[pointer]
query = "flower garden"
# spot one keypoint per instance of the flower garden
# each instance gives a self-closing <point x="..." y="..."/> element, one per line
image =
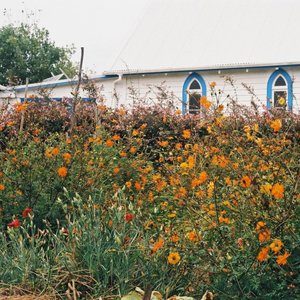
<point x="152" y="199"/>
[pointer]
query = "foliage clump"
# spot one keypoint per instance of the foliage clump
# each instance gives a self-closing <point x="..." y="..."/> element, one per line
<point x="149" y="196"/>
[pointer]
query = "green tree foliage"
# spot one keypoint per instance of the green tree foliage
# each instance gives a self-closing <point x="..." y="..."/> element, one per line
<point x="27" y="51"/>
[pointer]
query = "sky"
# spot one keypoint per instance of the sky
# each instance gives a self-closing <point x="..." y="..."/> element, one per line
<point x="102" y="27"/>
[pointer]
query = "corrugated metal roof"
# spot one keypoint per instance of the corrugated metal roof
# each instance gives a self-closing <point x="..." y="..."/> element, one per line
<point x="197" y="34"/>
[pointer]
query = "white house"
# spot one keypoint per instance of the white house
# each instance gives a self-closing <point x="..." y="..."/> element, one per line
<point x="250" y="49"/>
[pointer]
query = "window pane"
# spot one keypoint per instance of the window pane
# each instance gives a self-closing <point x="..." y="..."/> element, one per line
<point x="280" y="81"/>
<point x="280" y="99"/>
<point x="194" y="103"/>
<point x="195" y="85"/>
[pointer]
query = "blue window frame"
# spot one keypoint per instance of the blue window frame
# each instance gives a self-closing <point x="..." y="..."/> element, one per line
<point x="280" y="90"/>
<point x="193" y="88"/>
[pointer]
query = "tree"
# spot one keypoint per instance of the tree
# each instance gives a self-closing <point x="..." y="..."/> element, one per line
<point x="27" y="51"/>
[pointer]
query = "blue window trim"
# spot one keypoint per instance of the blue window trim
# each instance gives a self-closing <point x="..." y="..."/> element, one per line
<point x="186" y="85"/>
<point x="289" y="82"/>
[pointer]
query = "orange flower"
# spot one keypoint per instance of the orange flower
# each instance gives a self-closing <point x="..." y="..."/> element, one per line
<point x="264" y="235"/>
<point x="123" y="154"/>
<point x="55" y="151"/>
<point x="186" y="134"/>
<point x="116" y="137"/>
<point x="192" y="236"/>
<point x="263" y="254"/>
<point x="132" y="150"/>
<point x="67" y="157"/>
<point x="163" y="143"/>
<point x="245" y="181"/>
<point x="2" y="187"/>
<point x="212" y="84"/>
<point x="158" y="245"/>
<point x="282" y="259"/>
<point x="178" y="146"/>
<point x="174" y="258"/>
<point x="277" y="191"/>
<point x="138" y="186"/>
<point x="128" y="184"/>
<point x="116" y="170"/>
<point x="276" y="125"/>
<point x="202" y="177"/>
<point x="21" y="107"/>
<point x="260" y="225"/>
<point x="174" y="238"/>
<point x="135" y="132"/>
<point x="204" y="102"/>
<point x="109" y="143"/>
<point x="224" y="220"/>
<point x="62" y="172"/>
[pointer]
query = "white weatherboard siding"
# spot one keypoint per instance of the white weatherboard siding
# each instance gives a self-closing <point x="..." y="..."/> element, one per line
<point x="256" y="79"/>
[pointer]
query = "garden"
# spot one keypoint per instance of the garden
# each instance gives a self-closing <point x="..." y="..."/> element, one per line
<point x="149" y="199"/>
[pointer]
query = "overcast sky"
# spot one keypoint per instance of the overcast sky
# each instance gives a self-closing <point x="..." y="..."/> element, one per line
<point x="102" y="27"/>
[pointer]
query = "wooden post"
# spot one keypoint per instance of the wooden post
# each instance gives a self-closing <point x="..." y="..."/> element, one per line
<point x="23" y="111"/>
<point x="76" y="94"/>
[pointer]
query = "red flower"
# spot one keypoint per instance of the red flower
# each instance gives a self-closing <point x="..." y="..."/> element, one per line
<point x="14" y="224"/>
<point x="128" y="217"/>
<point x="26" y="212"/>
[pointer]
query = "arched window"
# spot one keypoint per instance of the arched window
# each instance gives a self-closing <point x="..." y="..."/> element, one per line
<point x="194" y="87"/>
<point x="279" y="90"/>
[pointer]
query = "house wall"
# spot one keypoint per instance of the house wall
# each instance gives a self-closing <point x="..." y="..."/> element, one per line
<point x="132" y="87"/>
<point x="255" y="79"/>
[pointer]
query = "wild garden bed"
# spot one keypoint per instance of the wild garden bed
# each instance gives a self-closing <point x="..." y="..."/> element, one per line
<point x="150" y="198"/>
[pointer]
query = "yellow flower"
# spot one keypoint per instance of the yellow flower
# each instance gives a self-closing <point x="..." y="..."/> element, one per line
<point x="281" y="101"/>
<point x="276" y="125"/>
<point x="266" y="188"/>
<point x="210" y="189"/>
<point x="276" y="246"/>
<point x="48" y="153"/>
<point x="174" y="258"/>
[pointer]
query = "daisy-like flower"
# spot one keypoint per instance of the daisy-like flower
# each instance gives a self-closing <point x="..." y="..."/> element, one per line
<point x="174" y="258"/>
